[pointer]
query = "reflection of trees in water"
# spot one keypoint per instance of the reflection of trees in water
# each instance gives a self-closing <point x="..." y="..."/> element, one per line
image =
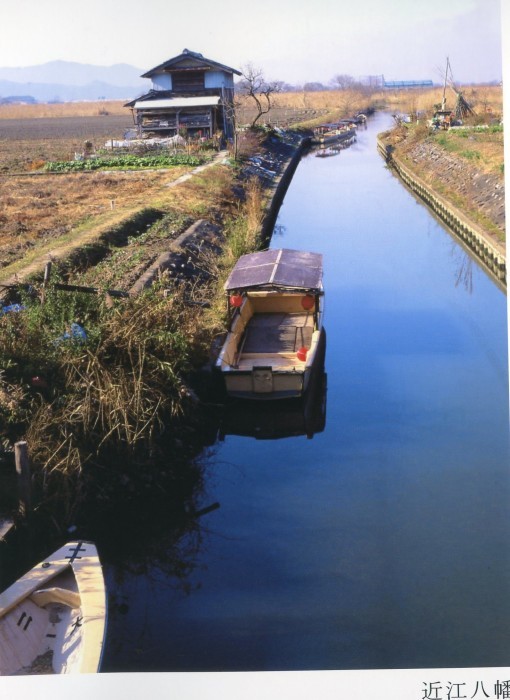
<point x="157" y="539"/>
<point x="140" y="526"/>
<point x="154" y="566"/>
<point x="162" y="557"/>
<point x="464" y="268"/>
<point x="143" y="511"/>
<point x="147" y="527"/>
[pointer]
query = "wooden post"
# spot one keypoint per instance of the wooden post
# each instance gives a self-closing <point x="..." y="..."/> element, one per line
<point x="47" y="274"/>
<point x="24" y="477"/>
<point x="46" y="280"/>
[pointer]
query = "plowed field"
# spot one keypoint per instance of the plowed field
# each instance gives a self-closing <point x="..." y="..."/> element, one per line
<point x="25" y="143"/>
<point x="39" y="209"/>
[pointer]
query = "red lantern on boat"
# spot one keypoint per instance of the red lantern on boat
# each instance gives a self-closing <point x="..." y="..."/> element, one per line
<point x="236" y="300"/>
<point x="308" y="302"/>
<point x="302" y="353"/>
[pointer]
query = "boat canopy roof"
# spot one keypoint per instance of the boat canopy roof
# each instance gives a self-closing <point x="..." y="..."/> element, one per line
<point x="269" y="269"/>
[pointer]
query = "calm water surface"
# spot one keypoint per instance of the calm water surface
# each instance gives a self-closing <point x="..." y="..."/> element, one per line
<point x="383" y="542"/>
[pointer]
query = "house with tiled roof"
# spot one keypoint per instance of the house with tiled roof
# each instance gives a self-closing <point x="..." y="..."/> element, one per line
<point x="189" y="93"/>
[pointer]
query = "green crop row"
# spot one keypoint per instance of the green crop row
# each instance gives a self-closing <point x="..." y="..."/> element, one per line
<point x="123" y="162"/>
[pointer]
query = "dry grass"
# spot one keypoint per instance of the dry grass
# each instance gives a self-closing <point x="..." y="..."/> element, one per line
<point x="479" y="96"/>
<point x="116" y="393"/>
<point x="487" y="101"/>
<point x="64" y="109"/>
<point x="483" y="99"/>
<point x="122" y="392"/>
<point x="349" y="101"/>
<point x="41" y="210"/>
<point x="483" y="149"/>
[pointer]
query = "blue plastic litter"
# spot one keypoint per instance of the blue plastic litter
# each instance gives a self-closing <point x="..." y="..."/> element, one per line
<point x="75" y="332"/>
<point x="12" y="308"/>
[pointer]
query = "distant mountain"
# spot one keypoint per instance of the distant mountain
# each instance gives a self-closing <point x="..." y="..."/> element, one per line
<point x="66" y="81"/>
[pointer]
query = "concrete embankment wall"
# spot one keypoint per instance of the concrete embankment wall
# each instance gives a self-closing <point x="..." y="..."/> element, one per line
<point x="276" y="192"/>
<point x="471" y="235"/>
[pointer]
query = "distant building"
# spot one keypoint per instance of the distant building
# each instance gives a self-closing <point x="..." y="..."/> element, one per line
<point x="18" y="100"/>
<point x="189" y="92"/>
<point x="407" y="84"/>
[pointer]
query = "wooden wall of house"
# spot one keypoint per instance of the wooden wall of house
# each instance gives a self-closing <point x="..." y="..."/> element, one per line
<point x="189" y="81"/>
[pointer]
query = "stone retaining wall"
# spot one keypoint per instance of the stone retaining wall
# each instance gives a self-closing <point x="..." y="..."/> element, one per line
<point x="490" y="252"/>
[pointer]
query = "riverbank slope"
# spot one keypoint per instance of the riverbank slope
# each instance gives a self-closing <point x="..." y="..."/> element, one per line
<point x="460" y="175"/>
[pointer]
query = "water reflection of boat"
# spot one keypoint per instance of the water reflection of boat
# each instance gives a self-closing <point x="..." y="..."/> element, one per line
<point x="271" y="420"/>
<point x="327" y="152"/>
<point x="276" y="300"/>
<point x="53" y="619"/>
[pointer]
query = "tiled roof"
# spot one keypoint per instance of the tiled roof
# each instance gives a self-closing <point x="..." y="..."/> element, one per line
<point x="189" y="60"/>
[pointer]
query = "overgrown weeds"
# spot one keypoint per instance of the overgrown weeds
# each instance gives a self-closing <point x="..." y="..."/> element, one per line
<point x="112" y="389"/>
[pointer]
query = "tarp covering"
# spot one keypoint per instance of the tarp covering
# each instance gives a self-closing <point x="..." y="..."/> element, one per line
<point x="177" y="102"/>
<point x="281" y="267"/>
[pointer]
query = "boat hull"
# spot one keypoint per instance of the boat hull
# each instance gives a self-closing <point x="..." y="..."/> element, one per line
<point x="53" y="619"/>
<point x="263" y="383"/>
<point x="268" y="383"/>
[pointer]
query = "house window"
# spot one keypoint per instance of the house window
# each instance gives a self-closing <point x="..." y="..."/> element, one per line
<point x="188" y="81"/>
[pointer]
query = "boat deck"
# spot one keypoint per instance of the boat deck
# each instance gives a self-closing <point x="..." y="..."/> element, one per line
<point x="278" y="332"/>
<point x="274" y="339"/>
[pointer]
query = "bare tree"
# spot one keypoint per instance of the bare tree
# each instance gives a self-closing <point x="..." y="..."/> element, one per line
<point x="261" y="92"/>
<point x="230" y="108"/>
<point x="314" y="87"/>
<point x="342" y="82"/>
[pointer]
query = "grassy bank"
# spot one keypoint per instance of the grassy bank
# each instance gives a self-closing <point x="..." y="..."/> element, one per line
<point x="463" y="165"/>
<point x="119" y="409"/>
<point x="476" y="145"/>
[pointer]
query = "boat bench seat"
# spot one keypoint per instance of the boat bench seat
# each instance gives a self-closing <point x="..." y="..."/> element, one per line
<point x="62" y="596"/>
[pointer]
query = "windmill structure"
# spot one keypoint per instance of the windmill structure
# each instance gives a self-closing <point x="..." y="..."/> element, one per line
<point x="462" y="107"/>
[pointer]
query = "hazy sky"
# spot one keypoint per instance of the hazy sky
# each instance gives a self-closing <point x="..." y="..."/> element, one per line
<point x="291" y="40"/>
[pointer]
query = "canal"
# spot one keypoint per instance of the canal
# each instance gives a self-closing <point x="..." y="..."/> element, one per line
<point x="382" y="541"/>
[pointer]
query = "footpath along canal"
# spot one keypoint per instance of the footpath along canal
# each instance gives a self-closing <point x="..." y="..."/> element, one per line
<point x="383" y="541"/>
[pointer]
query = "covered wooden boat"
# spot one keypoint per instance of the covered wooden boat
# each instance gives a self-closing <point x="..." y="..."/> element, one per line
<point x="333" y="133"/>
<point x="53" y="619"/>
<point x="276" y="306"/>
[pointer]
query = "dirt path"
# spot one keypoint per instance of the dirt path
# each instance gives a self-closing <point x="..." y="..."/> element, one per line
<point x="89" y="235"/>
